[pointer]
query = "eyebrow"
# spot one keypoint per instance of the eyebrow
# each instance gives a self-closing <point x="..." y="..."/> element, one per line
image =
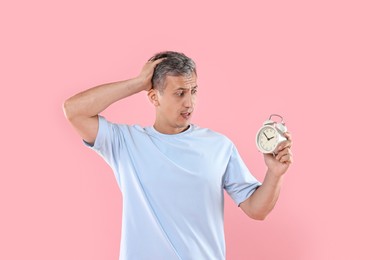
<point x="182" y="88"/>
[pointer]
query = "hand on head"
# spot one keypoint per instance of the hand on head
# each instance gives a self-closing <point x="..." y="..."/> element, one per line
<point x="146" y="73"/>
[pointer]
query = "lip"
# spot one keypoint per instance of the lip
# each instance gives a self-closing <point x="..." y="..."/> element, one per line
<point x="186" y="114"/>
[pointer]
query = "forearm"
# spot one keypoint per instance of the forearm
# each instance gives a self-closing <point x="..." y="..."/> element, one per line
<point x="91" y="102"/>
<point x="263" y="200"/>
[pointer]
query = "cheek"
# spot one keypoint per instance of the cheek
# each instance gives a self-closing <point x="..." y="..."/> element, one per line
<point x="171" y="105"/>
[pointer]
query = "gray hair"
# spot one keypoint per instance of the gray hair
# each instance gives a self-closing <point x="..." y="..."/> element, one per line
<point x="175" y="64"/>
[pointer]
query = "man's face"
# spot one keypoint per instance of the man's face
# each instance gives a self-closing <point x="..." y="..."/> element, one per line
<point x="174" y="107"/>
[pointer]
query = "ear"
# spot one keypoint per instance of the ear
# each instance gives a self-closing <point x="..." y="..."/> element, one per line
<point x="153" y="97"/>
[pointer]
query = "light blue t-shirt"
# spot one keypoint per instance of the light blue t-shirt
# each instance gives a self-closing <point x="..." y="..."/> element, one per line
<point x="172" y="188"/>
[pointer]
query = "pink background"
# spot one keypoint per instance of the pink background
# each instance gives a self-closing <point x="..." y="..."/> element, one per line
<point x="324" y="65"/>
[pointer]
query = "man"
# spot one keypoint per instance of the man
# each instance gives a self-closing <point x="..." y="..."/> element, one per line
<point x="172" y="174"/>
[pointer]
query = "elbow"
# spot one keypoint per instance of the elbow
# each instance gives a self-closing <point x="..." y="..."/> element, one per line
<point x="67" y="107"/>
<point x="259" y="213"/>
<point x="259" y="216"/>
<point x="255" y="211"/>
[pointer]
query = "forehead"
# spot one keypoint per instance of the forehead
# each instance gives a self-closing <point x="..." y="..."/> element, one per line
<point x="176" y="82"/>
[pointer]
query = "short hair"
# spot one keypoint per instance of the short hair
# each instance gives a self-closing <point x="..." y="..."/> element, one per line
<point x="174" y="64"/>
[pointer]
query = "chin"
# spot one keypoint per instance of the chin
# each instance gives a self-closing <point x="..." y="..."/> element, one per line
<point x="183" y="125"/>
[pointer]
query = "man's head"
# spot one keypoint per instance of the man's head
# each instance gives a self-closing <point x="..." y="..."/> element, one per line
<point x="174" y="64"/>
<point x="174" y="92"/>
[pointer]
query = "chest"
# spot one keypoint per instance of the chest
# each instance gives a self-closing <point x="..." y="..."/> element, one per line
<point x="196" y="165"/>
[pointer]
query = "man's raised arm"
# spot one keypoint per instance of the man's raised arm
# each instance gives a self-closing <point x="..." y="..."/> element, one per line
<point x="82" y="109"/>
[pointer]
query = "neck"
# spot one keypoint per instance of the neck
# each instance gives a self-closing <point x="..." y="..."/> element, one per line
<point x="170" y="130"/>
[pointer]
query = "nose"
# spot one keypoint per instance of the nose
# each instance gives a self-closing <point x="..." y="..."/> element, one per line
<point x="189" y="101"/>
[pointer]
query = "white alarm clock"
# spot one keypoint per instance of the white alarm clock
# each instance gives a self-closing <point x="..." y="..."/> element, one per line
<point x="270" y="135"/>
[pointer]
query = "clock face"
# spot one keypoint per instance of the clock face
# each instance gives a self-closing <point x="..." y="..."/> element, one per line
<point x="267" y="139"/>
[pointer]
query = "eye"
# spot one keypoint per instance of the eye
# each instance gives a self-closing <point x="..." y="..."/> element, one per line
<point x="194" y="91"/>
<point x="180" y="93"/>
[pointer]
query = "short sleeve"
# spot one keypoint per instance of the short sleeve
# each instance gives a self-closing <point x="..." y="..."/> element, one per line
<point x="101" y="135"/>
<point x="239" y="183"/>
<point x="108" y="143"/>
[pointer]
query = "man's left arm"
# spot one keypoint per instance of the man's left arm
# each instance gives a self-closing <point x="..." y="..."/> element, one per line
<point x="263" y="200"/>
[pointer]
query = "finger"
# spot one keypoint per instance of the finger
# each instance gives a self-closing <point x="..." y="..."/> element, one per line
<point x="283" y="153"/>
<point x="285" y="158"/>
<point x="287" y="135"/>
<point x="283" y="145"/>
<point x="159" y="60"/>
<point x="155" y="62"/>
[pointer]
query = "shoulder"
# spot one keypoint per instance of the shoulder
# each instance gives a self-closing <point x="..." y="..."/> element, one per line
<point x="121" y="127"/>
<point x="209" y="133"/>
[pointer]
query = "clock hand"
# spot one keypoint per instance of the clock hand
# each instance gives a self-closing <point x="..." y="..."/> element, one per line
<point x="266" y="136"/>
<point x="271" y="138"/>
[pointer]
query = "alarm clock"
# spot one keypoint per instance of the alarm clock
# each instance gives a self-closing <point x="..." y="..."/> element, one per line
<point x="270" y="135"/>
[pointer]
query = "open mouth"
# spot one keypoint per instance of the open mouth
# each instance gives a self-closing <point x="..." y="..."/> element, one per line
<point x="186" y="115"/>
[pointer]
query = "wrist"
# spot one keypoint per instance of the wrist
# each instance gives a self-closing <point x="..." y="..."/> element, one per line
<point x="274" y="174"/>
<point x="135" y="85"/>
<point x="144" y="83"/>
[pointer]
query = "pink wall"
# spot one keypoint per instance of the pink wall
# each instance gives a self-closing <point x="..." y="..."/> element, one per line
<point x="323" y="65"/>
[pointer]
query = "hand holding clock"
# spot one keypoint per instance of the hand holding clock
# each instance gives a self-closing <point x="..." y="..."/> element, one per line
<point x="277" y="157"/>
<point x="279" y="163"/>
